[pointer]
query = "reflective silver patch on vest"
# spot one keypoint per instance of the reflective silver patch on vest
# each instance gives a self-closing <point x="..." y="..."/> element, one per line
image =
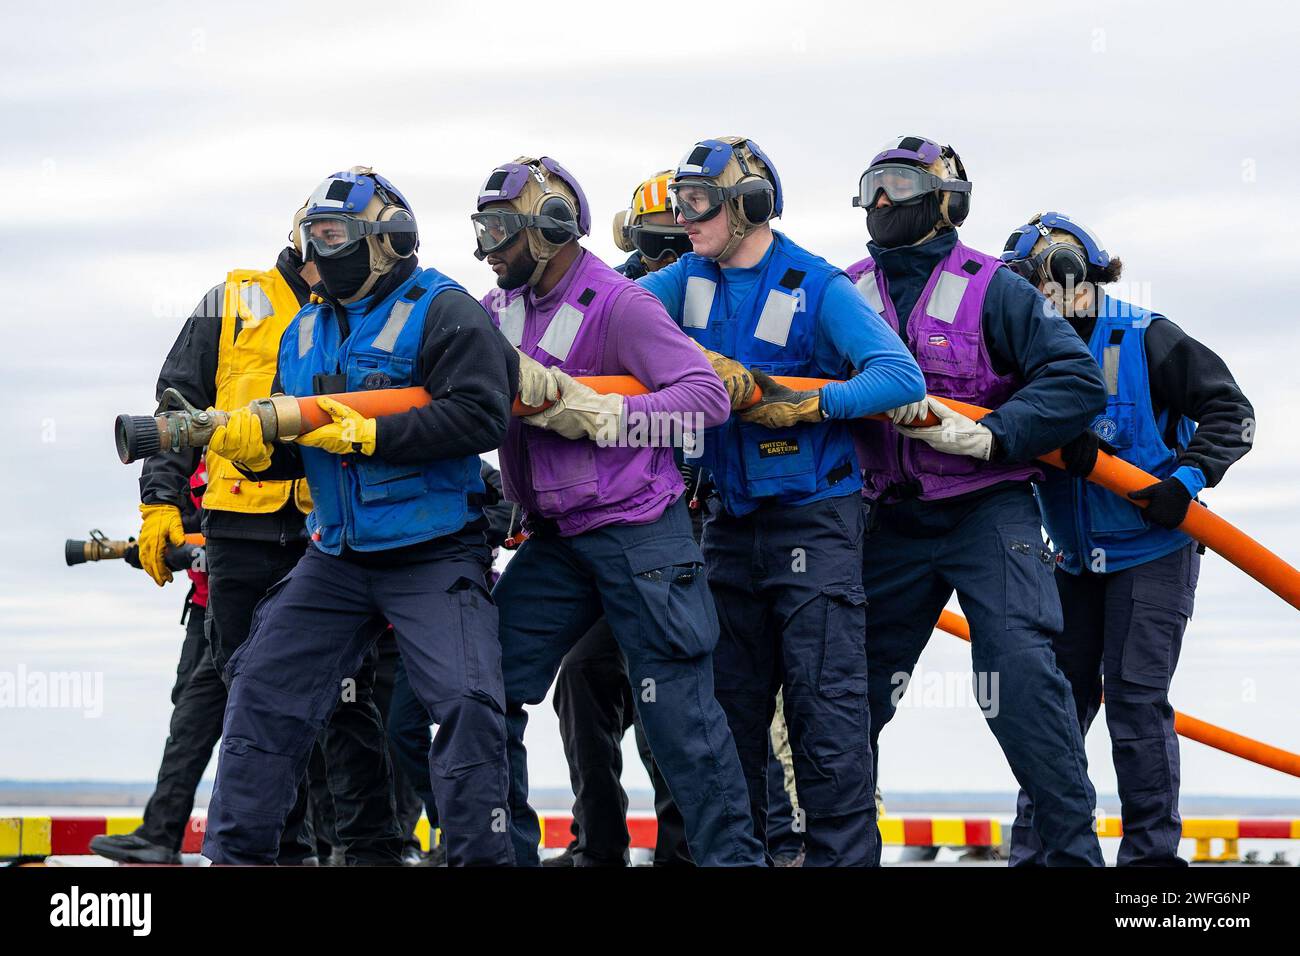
<point x="774" y="322"/>
<point x="866" y="284"/>
<point x="387" y="336"/>
<point x="1110" y="368"/>
<point x="698" y="302"/>
<point x="306" y="332"/>
<point x="947" y="296"/>
<point x="256" y="304"/>
<point x="561" y="332"/>
<point x="511" y="319"/>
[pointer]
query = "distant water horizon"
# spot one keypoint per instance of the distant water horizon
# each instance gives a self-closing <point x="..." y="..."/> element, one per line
<point x="72" y="794"/>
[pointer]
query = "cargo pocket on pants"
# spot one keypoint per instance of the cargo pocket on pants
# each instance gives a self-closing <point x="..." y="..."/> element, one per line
<point x="479" y="641"/>
<point x="1157" y="618"/>
<point x="1030" y="598"/>
<point x="678" y="619"/>
<point x="844" y="647"/>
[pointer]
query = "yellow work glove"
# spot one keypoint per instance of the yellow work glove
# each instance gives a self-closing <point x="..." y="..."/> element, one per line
<point x="160" y="530"/>
<point x="349" y="433"/>
<point x="781" y="407"/>
<point x="240" y="441"/>
<point x="735" y="377"/>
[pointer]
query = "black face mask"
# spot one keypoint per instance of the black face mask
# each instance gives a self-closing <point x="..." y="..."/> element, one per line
<point x="901" y="225"/>
<point x="342" y="276"/>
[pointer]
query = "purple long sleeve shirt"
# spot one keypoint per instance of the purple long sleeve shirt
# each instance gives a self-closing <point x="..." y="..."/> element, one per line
<point x="620" y="329"/>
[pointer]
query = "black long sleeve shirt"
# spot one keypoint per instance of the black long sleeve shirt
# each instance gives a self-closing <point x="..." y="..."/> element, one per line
<point x="191" y="369"/>
<point x="469" y="369"/>
<point x="1189" y="379"/>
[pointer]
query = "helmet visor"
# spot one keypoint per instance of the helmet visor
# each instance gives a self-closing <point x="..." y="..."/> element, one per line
<point x="337" y="235"/>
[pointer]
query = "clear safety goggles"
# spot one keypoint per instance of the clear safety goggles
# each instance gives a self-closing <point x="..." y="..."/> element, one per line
<point x="902" y="184"/>
<point x="698" y="200"/>
<point x="332" y="235"/>
<point x="494" y="230"/>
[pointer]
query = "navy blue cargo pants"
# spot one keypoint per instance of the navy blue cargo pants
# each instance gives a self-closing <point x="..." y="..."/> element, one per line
<point x="994" y="557"/>
<point x="311" y="632"/>
<point x="1127" y="626"/>
<point x="788" y="587"/>
<point x="648" y="581"/>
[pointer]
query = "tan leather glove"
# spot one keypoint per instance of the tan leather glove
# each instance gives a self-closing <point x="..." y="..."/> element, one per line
<point x="580" y="411"/>
<point x="735" y="377"/>
<point x="906" y="414"/>
<point x="954" y="435"/>
<point x="781" y="407"/>
<point x="537" y="385"/>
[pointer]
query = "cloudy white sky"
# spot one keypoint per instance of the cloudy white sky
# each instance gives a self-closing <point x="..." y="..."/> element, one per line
<point x="149" y="149"/>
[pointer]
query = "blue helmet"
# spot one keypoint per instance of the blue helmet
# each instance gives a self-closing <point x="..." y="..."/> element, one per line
<point x="1022" y="241"/>
<point x="351" y="206"/>
<point x="726" y="163"/>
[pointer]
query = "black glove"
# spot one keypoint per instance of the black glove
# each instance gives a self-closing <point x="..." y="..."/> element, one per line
<point x="1080" y="454"/>
<point x="1167" y="502"/>
<point x="132" y="555"/>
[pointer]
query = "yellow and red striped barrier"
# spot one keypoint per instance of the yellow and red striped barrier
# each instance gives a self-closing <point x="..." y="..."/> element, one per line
<point x="70" y="836"/>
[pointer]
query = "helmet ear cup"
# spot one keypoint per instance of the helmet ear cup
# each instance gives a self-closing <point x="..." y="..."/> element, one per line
<point x="1064" y="265"/>
<point x="401" y="245"/>
<point x="956" y="206"/>
<point x="756" y="208"/>
<point x="557" y="207"/>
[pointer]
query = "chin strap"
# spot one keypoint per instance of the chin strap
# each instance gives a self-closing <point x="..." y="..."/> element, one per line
<point x="739" y="230"/>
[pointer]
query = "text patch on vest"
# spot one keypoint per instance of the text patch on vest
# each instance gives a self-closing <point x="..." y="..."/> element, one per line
<point x="777" y="448"/>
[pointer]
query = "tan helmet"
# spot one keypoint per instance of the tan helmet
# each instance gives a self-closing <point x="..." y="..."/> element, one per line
<point x="388" y="225"/>
<point x="731" y="164"/>
<point x="540" y="189"/>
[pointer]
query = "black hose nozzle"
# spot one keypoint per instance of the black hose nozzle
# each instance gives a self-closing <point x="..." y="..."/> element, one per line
<point x="136" y="437"/>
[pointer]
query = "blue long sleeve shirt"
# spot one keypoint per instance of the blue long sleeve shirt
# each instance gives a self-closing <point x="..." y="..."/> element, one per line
<point x="851" y="340"/>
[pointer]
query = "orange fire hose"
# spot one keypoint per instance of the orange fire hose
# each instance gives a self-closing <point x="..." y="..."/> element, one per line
<point x="1220" y="738"/>
<point x="1110" y="472"/>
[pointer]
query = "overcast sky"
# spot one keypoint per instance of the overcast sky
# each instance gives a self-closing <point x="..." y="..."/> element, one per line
<point x="148" y="150"/>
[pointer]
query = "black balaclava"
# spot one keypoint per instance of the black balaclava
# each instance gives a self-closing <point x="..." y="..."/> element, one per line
<point x="343" y="275"/>
<point x="902" y="224"/>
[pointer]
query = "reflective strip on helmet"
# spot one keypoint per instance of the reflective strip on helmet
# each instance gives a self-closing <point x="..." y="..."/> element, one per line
<point x="560" y="334"/>
<point x="947" y="296"/>
<point x="698" y="302"/>
<point x="774" y="321"/>
<point x="306" y="332"/>
<point x="255" y="302"/>
<point x="387" y="336"/>
<point x="1110" y="369"/>
<point x="511" y="320"/>
<point x="866" y="284"/>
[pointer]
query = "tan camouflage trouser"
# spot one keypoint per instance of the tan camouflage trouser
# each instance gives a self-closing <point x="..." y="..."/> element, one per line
<point x="781" y="746"/>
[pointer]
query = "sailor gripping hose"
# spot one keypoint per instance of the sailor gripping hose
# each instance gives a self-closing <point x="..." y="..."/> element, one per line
<point x="180" y="425"/>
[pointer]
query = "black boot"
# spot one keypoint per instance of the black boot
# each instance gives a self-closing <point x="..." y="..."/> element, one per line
<point x="132" y="848"/>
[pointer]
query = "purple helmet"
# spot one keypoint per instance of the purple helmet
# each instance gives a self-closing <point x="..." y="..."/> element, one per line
<point x="506" y="182"/>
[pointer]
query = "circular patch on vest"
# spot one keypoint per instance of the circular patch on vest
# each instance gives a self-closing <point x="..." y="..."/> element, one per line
<point x="1106" y="429"/>
<point x="376" y="380"/>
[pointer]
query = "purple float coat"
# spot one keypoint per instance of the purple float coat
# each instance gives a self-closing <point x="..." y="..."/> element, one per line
<point x="596" y="322"/>
<point x="945" y="334"/>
